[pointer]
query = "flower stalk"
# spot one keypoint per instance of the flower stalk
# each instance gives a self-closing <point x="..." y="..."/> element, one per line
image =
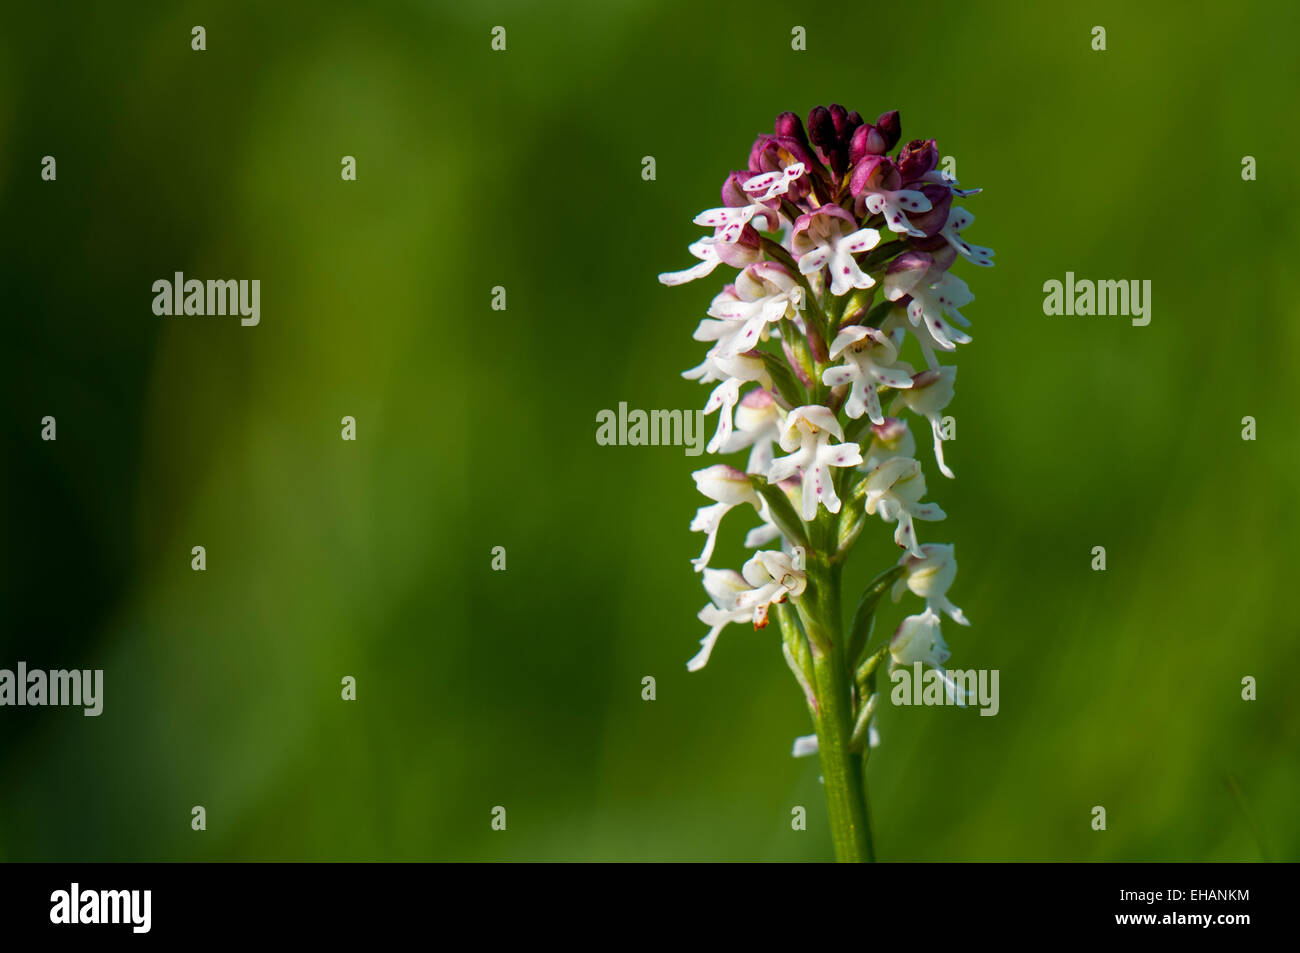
<point x="806" y="358"/>
<point x="841" y="770"/>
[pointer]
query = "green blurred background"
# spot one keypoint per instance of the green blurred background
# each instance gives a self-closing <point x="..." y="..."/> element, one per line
<point x="477" y="429"/>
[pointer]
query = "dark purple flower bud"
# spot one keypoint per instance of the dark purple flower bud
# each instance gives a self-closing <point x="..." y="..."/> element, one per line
<point x="855" y="120"/>
<point x="821" y="128"/>
<point x="930" y="222"/>
<point x="917" y="158"/>
<point x="891" y="127"/>
<point x="840" y="119"/>
<point x="790" y="126"/>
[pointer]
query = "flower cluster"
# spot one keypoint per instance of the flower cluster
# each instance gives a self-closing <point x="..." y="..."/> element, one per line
<point x="843" y="243"/>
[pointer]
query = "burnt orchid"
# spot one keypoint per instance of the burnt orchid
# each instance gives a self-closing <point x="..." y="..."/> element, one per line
<point x="843" y="249"/>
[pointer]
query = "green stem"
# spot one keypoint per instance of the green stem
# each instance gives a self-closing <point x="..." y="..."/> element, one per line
<point x="841" y="769"/>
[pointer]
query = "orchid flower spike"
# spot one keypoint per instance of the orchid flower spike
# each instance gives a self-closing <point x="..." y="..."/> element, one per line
<point x="842" y="237"/>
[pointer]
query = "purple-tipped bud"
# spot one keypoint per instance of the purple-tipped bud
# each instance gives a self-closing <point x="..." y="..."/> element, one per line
<point x="733" y="195"/>
<point x="904" y="272"/>
<point x="791" y="126"/>
<point x="891" y="430"/>
<point x="910" y="261"/>
<point x="855" y="120"/>
<point x="875" y="173"/>
<point x="858" y="144"/>
<point x="917" y="158"/>
<point x="867" y="141"/>
<point x="891" y="127"/>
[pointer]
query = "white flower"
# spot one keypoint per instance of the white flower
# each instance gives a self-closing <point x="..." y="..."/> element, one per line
<point x="710" y="254"/>
<point x="733" y="372"/>
<point x="958" y="220"/>
<point x="724" y="587"/>
<point x="758" y="425"/>
<point x="709" y="260"/>
<point x="870" y="357"/>
<point x="772" y="576"/>
<point x="764" y="293"/>
<point x="929" y="394"/>
<point x="918" y="639"/>
<point x="807" y="433"/>
<point x="894" y="490"/>
<point x="730" y="488"/>
<point x="929" y="576"/>
<point x="830" y="236"/>
<point x="934" y="293"/>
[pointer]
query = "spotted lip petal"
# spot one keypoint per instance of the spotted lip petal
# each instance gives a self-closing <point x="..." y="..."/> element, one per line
<point x="771" y="185"/>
